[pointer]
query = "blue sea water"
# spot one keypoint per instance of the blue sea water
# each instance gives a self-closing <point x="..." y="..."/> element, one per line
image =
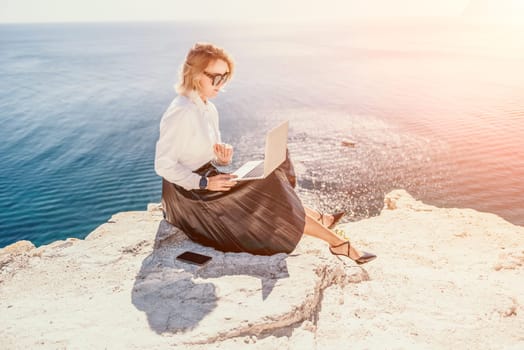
<point x="435" y="108"/>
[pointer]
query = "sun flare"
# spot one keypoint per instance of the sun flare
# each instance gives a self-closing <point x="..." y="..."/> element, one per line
<point x="496" y="10"/>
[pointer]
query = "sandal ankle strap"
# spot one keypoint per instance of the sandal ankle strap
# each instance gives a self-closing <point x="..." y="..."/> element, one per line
<point x="341" y="244"/>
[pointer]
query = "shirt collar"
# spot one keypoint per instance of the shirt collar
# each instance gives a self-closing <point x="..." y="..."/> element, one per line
<point x="194" y="96"/>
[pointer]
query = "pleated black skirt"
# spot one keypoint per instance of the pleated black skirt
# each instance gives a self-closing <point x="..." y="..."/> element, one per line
<point x="262" y="217"/>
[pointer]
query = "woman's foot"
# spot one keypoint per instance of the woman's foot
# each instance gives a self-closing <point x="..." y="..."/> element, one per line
<point x="329" y="220"/>
<point x="346" y="249"/>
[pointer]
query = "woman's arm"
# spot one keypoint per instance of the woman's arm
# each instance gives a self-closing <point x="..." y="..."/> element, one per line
<point x="175" y="133"/>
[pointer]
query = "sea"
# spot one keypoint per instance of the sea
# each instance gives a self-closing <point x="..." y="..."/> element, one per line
<point x="434" y="106"/>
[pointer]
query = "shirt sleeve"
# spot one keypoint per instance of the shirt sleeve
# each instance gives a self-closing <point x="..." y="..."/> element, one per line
<point x="215" y="122"/>
<point x="175" y="133"/>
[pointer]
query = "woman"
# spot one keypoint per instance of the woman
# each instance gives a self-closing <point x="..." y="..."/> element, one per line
<point x="259" y="217"/>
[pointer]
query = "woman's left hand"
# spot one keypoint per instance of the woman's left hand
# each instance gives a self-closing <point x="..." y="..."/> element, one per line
<point x="223" y="153"/>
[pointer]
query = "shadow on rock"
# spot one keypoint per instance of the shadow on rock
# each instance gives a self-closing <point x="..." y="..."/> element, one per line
<point x="269" y="269"/>
<point x="175" y="296"/>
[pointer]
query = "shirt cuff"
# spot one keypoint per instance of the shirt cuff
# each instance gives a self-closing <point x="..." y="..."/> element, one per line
<point x="195" y="182"/>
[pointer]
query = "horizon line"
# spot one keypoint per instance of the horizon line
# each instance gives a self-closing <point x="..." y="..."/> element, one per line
<point x="230" y="20"/>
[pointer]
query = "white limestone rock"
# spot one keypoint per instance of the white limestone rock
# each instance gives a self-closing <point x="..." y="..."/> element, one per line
<point x="443" y="278"/>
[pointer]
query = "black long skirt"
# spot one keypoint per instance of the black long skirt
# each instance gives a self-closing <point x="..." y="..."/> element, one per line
<point x="262" y="217"/>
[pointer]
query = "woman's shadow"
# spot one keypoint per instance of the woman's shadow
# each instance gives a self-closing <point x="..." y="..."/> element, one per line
<point x="174" y="294"/>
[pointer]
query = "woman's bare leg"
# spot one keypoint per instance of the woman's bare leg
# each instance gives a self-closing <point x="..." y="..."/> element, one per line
<point x="316" y="229"/>
<point x="326" y="220"/>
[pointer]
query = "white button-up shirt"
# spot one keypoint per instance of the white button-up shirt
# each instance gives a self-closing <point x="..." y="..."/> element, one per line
<point x="188" y="130"/>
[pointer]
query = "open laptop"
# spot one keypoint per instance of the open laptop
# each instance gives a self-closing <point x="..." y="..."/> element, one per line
<point x="275" y="154"/>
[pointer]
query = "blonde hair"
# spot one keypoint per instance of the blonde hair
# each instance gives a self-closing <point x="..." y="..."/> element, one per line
<point x="197" y="59"/>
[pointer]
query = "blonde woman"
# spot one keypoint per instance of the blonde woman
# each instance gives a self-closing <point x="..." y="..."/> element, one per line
<point x="259" y="217"/>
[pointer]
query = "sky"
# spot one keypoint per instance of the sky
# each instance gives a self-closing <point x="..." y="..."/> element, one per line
<point x="278" y="10"/>
<point x="505" y="10"/>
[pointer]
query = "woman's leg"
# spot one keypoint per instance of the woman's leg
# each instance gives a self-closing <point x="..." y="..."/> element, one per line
<point x="324" y="219"/>
<point x="316" y="229"/>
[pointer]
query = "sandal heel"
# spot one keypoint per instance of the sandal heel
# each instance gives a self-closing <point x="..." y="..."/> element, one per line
<point x="363" y="259"/>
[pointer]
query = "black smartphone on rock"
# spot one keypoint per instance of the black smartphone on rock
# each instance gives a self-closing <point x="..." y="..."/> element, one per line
<point x="194" y="258"/>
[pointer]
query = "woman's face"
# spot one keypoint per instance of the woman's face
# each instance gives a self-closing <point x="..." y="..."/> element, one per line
<point x="214" y="72"/>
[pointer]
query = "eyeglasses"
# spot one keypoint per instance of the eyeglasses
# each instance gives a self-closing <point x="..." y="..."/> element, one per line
<point x="217" y="78"/>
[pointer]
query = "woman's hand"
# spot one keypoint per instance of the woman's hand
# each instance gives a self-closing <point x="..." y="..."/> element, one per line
<point x="222" y="182"/>
<point x="223" y="153"/>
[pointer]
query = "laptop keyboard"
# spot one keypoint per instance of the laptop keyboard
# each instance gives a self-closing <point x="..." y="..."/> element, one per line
<point x="257" y="171"/>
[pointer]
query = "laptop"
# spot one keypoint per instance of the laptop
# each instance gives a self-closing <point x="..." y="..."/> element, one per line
<point x="274" y="155"/>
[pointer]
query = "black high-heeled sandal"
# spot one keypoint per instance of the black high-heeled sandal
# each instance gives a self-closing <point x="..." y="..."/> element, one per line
<point x="336" y="218"/>
<point x="364" y="258"/>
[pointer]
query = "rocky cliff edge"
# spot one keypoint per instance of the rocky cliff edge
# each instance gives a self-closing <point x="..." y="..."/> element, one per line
<point x="444" y="277"/>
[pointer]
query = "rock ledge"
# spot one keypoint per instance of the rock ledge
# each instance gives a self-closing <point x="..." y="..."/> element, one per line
<point x="122" y="288"/>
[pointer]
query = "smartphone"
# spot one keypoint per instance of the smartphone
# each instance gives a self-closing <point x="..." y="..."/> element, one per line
<point x="193" y="258"/>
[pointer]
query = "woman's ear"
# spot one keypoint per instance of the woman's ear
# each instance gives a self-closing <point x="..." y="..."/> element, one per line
<point x="196" y="82"/>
